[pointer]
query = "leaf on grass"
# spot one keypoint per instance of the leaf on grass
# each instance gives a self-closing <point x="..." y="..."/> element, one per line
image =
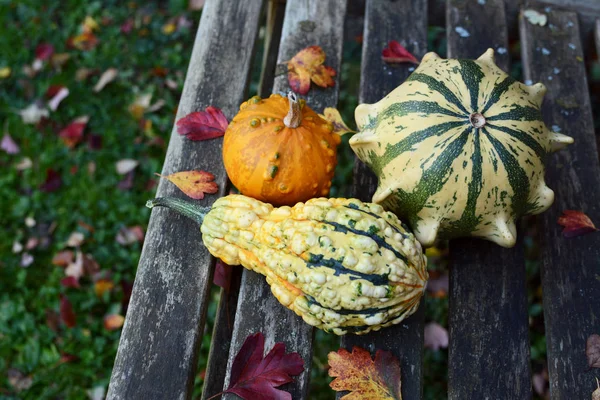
<point x="203" y="125"/>
<point x="438" y="284"/>
<point x="44" y="51"/>
<point x="9" y="145"/>
<point x="395" y="53"/>
<point x="18" y="380"/>
<point x="53" y="181"/>
<point x="127" y="26"/>
<point x="308" y="65"/>
<point x="85" y="41"/>
<point x="72" y="134"/>
<point x="126" y="165"/>
<point x="70" y="282"/>
<point x="592" y="351"/>
<point x="539" y="382"/>
<point x="576" y="223"/>
<point x="56" y="94"/>
<point x="222" y="276"/>
<point x="332" y="115"/>
<point x="90" y="25"/>
<point x="75" y="239"/>
<point x="59" y="59"/>
<point x="255" y="377"/>
<point x="102" y="286"/>
<point x="113" y="322"/>
<point x="33" y="113"/>
<point x="26" y="260"/>
<point x="363" y="377"/>
<point x="75" y="268"/>
<point x="130" y="235"/>
<point x="194" y="184"/>
<point x="127" y="182"/>
<point x="435" y="336"/>
<point x="139" y="105"/>
<point x="107" y="77"/>
<point x="67" y="315"/>
<point x="5" y="72"/>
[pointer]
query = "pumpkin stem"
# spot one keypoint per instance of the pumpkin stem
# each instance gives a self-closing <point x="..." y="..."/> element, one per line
<point x="477" y="120"/>
<point x="187" y="208"/>
<point x="294" y="115"/>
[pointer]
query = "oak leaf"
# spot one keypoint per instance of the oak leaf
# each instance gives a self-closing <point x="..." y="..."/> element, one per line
<point x="395" y="53"/>
<point x="576" y="223"/>
<point x="256" y="378"/>
<point x="195" y="184"/>
<point x="363" y="377"/>
<point x="308" y="65"/>
<point x="592" y="351"/>
<point x="332" y="115"/>
<point x="203" y="125"/>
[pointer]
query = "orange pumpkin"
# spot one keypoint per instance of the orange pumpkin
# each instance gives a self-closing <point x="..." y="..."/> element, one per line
<point x="279" y="151"/>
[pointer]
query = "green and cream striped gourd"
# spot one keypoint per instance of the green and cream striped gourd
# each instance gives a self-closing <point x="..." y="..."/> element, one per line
<point x="459" y="150"/>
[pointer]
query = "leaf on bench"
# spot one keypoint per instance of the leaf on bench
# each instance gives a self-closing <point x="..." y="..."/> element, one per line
<point x="576" y="223"/>
<point x="203" y="125"/>
<point x="308" y="65"/>
<point x="194" y="184"/>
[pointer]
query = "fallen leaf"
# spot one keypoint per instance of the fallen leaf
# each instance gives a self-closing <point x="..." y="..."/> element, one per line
<point x="159" y="71"/>
<point x="113" y="322"/>
<point x="107" y="76"/>
<point x="435" y="336"/>
<point x="254" y="377"/>
<point x="363" y="377"/>
<point x="83" y="74"/>
<point x="195" y="5"/>
<point x="18" y="380"/>
<point x="85" y="41"/>
<point x="139" y="105"/>
<point x="67" y="358"/>
<point x="90" y="266"/>
<point x="127" y="26"/>
<point x="195" y="184"/>
<point x="5" y="72"/>
<point x="53" y="181"/>
<point x="130" y="235"/>
<point x="63" y="258"/>
<point x="97" y="393"/>
<point x="44" y="51"/>
<point x="102" y="286"/>
<point x="33" y="113"/>
<point x="535" y="18"/>
<point x="395" y="53"/>
<point x="67" y="315"/>
<point x="540" y="382"/>
<point x="26" y="260"/>
<point x="126" y="165"/>
<point x="90" y="25"/>
<point x="127" y="182"/>
<point x="169" y="28"/>
<point x="308" y="65"/>
<point x="592" y="351"/>
<point x="156" y="106"/>
<point x="17" y="247"/>
<point x="59" y="59"/>
<point x="332" y="115"/>
<point x="75" y="239"/>
<point x="59" y="96"/>
<point x="72" y="134"/>
<point x="32" y="243"/>
<point x="203" y="125"/>
<point x="171" y="84"/>
<point x="222" y="276"/>
<point x="9" y="145"/>
<point x="24" y="164"/>
<point x="75" y="268"/>
<point x="576" y="223"/>
<point x="438" y="286"/>
<point x="70" y="282"/>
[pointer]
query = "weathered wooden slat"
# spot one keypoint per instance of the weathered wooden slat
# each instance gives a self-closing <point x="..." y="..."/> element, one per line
<point x="489" y="338"/>
<point x="405" y="22"/>
<point x="160" y="340"/>
<point x="570" y="267"/>
<point x="597" y="36"/>
<point x="275" y="14"/>
<point x="306" y="23"/>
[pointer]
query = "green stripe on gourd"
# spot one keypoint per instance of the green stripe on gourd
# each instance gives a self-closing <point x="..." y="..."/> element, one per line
<point x="459" y="150"/>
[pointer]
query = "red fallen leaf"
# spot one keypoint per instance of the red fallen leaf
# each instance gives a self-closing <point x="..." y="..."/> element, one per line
<point x="159" y="71"/>
<point x="576" y="223"/>
<point x="53" y="91"/>
<point x="53" y="181"/>
<point x="94" y="141"/>
<point x="307" y="65"/>
<point x="72" y="134"/>
<point x="395" y="53"/>
<point x="52" y="319"/>
<point x="193" y="183"/>
<point x="44" y="51"/>
<point x="66" y="358"/>
<point x="363" y="377"/>
<point x="203" y="125"/>
<point x="127" y="26"/>
<point x="127" y="288"/>
<point x="67" y="315"/>
<point x="254" y="377"/>
<point x="90" y="266"/>
<point x="113" y="322"/>
<point x="222" y="276"/>
<point x="70" y="282"/>
<point x="592" y="351"/>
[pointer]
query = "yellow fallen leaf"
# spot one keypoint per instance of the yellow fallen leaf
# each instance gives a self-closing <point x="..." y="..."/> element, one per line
<point x="5" y="72"/>
<point x="169" y="28"/>
<point x="332" y="115"/>
<point x="90" y="24"/>
<point x="193" y="183"/>
<point x="102" y="286"/>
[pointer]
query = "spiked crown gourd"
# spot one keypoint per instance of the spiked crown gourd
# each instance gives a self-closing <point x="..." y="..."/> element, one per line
<point x="459" y="150"/>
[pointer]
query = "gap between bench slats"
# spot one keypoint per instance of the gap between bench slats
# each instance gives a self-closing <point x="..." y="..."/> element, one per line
<point x="489" y="337"/>
<point x="553" y="55"/>
<point x="306" y="23"/>
<point x="159" y="344"/>
<point x="405" y="22"/>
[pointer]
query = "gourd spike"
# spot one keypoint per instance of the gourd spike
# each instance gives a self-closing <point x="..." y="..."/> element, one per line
<point x="426" y="232"/>
<point x="430" y="56"/>
<point x="507" y="232"/>
<point x="184" y="207"/>
<point x="537" y="93"/>
<point x="559" y="141"/>
<point x="488" y="56"/>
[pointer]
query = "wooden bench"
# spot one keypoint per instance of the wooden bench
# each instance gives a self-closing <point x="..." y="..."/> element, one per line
<point x="489" y="340"/>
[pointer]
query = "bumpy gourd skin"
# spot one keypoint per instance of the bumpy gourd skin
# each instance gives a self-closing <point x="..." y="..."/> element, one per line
<point x="342" y="265"/>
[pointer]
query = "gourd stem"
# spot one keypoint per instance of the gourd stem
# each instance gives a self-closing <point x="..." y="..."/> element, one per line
<point x="294" y="115"/>
<point x="187" y="208"/>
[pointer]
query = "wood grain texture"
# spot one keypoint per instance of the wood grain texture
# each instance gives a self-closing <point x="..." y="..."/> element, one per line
<point x="489" y="337"/>
<point x="157" y="353"/>
<point x="570" y="267"/>
<point x="306" y="23"/>
<point x="405" y="22"/>
<point x="275" y="14"/>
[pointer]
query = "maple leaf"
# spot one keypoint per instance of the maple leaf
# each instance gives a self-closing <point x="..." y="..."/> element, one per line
<point x="67" y="315"/>
<point x="395" y="53"/>
<point x="72" y="134"/>
<point x="193" y="183"/>
<point x="592" y="351"/>
<point x="576" y="223"/>
<point x="222" y="276"/>
<point x="332" y="115"/>
<point x="363" y="377"/>
<point x="435" y="336"/>
<point x="308" y="65"/>
<point x="256" y="378"/>
<point x="44" y="51"/>
<point x="203" y="125"/>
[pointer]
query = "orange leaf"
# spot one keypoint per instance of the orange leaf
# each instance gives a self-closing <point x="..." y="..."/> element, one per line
<point x="102" y="286"/>
<point x="576" y="223"/>
<point x="308" y="65"/>
<point x="84" y="41"/>
<point x="113" y="321"/>
<point x="363" y="377"/>
<point x="332" y="115"/>
<point x="193" y="183"/>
